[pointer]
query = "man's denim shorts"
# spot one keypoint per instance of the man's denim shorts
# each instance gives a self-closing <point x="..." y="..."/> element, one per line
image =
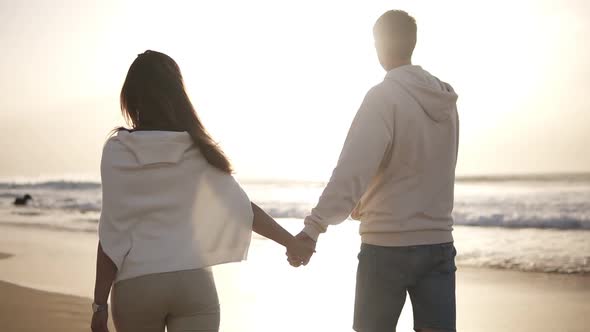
<point x="385" y="274"/>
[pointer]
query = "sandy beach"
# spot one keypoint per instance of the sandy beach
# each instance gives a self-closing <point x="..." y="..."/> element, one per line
<point x="26" y="309"/>
<point x="48" y="279"/>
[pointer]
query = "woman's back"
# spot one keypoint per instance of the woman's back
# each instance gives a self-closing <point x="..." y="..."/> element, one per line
<point x="165" y="208"/>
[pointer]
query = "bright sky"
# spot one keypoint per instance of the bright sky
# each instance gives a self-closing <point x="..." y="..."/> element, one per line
<point x="277" y="83"/>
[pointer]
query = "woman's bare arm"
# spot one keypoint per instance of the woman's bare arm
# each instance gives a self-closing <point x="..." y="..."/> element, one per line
<point x="266" y="226"/>
<point x="106" y="272"/>
<point x="105" y="275"/>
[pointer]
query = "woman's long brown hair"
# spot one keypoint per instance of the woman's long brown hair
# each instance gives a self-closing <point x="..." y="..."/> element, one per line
<point x="153" y="97"/>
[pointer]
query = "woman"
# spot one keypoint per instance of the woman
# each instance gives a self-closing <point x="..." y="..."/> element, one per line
<point x="171" y="209"/>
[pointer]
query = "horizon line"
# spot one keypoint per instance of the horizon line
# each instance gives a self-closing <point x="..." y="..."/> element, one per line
<point x="517" y="176"/>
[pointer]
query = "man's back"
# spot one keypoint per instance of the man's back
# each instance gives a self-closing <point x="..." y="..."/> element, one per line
<point x="397" y="165"/>
<point x="410" y="200"/>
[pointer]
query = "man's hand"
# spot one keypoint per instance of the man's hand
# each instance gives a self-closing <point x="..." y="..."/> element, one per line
<point x="298" y="259"/>
<point x="99" y="321"/>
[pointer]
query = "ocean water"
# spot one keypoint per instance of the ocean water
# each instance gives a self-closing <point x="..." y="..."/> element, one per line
<point x="530" y="223"/>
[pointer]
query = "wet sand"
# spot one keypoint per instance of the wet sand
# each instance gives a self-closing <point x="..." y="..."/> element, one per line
<point x="265" y="294"/>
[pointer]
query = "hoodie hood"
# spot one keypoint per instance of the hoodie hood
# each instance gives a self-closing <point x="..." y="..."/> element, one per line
<point x="436" y="98"/>
<point x="153" y="147"/>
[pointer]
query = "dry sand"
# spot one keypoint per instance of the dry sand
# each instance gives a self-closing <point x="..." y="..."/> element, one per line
<point x="26" y="309"/>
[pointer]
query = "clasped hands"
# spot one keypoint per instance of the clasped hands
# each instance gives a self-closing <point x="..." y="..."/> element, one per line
<point x="299" y="252"/>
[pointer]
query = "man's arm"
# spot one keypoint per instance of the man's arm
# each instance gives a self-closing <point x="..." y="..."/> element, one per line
<point x="369" y="137"/>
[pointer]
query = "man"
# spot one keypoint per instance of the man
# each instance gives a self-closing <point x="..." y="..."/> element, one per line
<point x="396" y="175"/>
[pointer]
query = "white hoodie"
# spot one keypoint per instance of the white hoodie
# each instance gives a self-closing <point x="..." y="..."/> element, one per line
<point x="165" y="208"/>
<point x="396" y="171"/>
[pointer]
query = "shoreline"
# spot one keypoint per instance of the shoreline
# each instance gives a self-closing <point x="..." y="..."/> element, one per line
<point x="47" y="278"/>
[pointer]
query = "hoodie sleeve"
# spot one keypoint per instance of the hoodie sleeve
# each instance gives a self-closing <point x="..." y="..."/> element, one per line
<point x="112" y="232"/>
<point x="369" y="137"/>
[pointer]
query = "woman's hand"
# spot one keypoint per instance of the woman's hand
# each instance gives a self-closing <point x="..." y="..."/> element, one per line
<point x="300" y="250"/>
<point x="99" y="321"/>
